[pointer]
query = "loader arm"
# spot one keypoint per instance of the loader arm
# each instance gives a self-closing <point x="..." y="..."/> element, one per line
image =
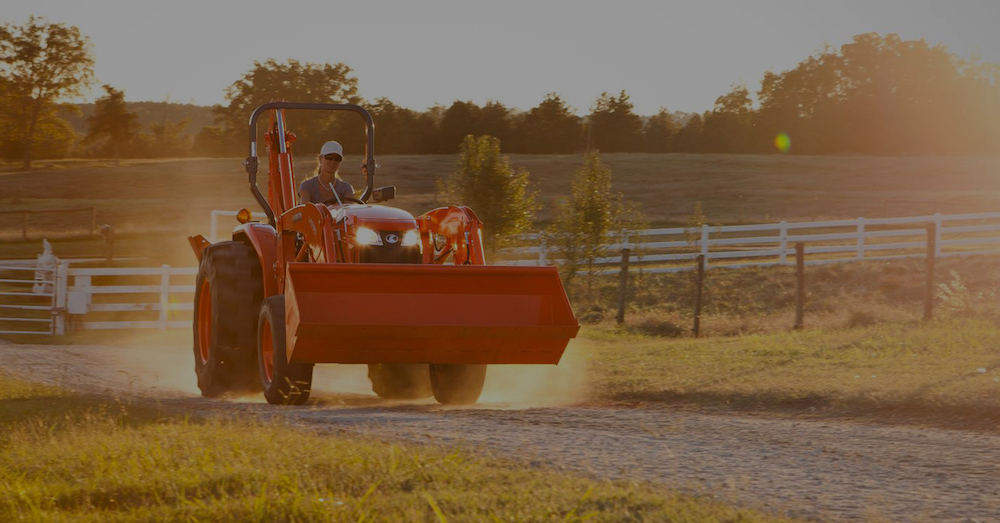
<point x="454" y="230"/>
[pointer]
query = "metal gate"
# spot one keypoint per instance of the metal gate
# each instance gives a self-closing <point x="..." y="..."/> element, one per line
<point x="32" y="300"/>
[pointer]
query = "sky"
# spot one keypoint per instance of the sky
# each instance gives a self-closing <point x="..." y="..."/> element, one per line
<point x="678" y="55"/>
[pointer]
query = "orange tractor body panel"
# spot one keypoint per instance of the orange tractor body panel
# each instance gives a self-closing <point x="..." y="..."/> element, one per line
<point x="360" y="313"/>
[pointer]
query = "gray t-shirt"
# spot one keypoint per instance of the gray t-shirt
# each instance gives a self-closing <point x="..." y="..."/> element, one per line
<point x="318" y="195"/>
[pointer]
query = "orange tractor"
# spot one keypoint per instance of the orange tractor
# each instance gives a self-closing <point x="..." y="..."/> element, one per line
<point x="345" y="281"/>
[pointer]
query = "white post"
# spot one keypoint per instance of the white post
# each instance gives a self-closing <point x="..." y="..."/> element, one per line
<point x="84" y="281"/>
<point x="704" y="243"/>
<point x="937" y="234"/>
<point x="213" y="227"/>
<point x="59" y="300"/>
<point x="783" y="248"/>
<point x="861" y="238"/>
<point x="164" y="295"/>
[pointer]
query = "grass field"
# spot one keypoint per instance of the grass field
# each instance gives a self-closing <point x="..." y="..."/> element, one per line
<point x="154" y="205"/>
<point x="67" y="457"/>
<point x="945" y="370"/>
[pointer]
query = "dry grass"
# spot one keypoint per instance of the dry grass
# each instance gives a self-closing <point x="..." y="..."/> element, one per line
<point x="945" y="369"/>
<point x="170" y="199"/>
<point x="83" y="459"/>
<point x="754" y="301"/>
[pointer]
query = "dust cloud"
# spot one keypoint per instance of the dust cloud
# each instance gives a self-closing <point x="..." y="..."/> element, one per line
<point x="532" y="386"/>
<point x="508" y="387"/>
<point x="162" y="364"/>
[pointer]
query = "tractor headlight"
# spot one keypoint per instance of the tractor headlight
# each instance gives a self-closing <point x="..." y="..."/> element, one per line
<point x="412" y="237"/>
<point x="366" y="236"/>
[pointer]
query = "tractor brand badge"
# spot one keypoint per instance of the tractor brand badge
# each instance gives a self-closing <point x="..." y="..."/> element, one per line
<point x="391" y="238"/>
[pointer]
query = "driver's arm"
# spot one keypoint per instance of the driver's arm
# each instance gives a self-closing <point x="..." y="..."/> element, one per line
<point x="304" y="196"/>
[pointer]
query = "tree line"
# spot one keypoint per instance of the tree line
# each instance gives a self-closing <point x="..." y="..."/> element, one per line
<point x="876" y="95"/>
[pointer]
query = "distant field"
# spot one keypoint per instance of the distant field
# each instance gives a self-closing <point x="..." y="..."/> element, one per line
<point x="164" y="201"/>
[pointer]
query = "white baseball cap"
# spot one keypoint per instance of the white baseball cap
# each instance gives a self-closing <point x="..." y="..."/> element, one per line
<point x="332" y="147"/>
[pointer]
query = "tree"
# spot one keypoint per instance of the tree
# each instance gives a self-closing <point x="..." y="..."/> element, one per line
<point x="690" y="138"/>
<point x="728" y="126"/>
<point x="549" y="128"/>
<point x="583" y="223"/>
<point x="298" y="82"/>
<point x="659" y="132"/>
<point x="212" y="141"/>
<point x="495" y="120"/>
<point x="882" y="95"/>
<point x="614" y="127"/>
<point x="485" y="182"/>
<point x="458" y="121"/>
<point x="165" y="140"/>
<point x="40" y="63"/>
<point x="397" y="128"/>
<point x="112" y="121"/>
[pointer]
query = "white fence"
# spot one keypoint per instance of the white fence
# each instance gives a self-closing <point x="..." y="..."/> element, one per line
<point x="835" y="241"/>
<point x="30" y="299"/>
<point x="101" y="292"/>
<point x="161" y="297"/>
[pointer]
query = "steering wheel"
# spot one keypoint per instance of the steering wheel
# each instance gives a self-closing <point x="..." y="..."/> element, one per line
<point x="343" y="199"/>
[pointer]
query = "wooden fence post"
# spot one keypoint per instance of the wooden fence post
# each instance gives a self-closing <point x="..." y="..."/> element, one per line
<point x="800" y="287"/>
<point x="783" y="242"/>
<point x="109" y="238"/>
<point x="861" y="239"/>
<point x="931" y="252"/>
<point x="697" y="295"/>
<point x="623" y="285"/>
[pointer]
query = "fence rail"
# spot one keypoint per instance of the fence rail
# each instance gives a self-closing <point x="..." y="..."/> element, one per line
<point x="655" y="251"/>
<point x="30" y="298"/>
<point x="120" y="298"/>
<point x="170" y="296"/>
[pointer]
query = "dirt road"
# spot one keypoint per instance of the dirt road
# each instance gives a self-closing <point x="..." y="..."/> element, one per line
<point x="826" y="470"/>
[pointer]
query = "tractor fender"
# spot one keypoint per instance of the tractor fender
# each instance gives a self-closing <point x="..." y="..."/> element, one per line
<point x="265" y="243"/>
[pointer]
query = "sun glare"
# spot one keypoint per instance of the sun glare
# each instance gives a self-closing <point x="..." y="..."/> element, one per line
<point x="783" y="142"/>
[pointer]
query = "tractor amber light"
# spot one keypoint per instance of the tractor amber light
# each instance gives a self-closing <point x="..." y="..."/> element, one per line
<point x="366" y="236"/>
<point x="244" y="216"/>
<point x="412" y="237"/>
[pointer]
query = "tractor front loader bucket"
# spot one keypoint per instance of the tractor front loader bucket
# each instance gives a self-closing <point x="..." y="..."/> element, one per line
<point x="382" y="313"/>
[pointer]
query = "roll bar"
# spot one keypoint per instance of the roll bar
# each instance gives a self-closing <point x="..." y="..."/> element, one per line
<point x="251" y="163"/>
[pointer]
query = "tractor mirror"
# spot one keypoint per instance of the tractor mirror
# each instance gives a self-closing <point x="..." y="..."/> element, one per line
<point x="383" y="194"/>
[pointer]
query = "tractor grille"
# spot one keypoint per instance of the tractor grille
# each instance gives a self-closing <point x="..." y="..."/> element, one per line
<point x="390" y="254"/>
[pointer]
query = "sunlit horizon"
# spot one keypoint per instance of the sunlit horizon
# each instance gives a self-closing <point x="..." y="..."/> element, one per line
<point x="681" y="57"/>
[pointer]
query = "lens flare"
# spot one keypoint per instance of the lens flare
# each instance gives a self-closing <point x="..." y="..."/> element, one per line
<point x="783" y="142"/>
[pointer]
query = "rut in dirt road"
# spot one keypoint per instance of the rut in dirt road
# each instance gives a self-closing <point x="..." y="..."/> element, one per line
<point x="821" y="469"/>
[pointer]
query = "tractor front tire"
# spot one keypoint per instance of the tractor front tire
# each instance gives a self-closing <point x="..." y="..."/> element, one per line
<point x="457" y="384"/>
<point x="284" y="383"/>
<point x="400" y="381"/>
<point x="228" y="292"/>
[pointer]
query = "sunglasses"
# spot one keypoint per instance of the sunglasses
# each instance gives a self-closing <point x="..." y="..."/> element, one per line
<point x="333" y="157"/>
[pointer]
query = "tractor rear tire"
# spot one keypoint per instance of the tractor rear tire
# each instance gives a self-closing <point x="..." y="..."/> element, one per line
<point x="228" y="292"/>
<point x="284" y="383"/>
<point x="457" y="384"/>
<point x="399" y="381"/>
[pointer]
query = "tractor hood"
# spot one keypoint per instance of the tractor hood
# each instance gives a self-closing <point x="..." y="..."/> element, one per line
<point x="375" y="216"/>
